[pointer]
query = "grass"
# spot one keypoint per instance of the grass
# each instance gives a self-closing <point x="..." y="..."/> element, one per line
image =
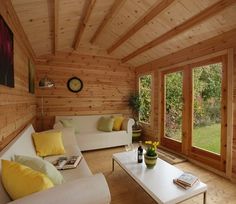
<point x="207" y="137"/>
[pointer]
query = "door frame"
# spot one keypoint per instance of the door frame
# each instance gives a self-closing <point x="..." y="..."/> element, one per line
<point x="173" y="144"/>
<point x="211" y="159"/>
<point x="214" y="160"/>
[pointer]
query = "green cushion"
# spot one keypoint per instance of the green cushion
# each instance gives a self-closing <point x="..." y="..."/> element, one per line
<point x="105" y="124"/>
<point x="70" y="123"/>
<point x="43" y="166"/>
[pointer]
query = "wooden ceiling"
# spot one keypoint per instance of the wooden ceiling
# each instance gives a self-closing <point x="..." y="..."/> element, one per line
<point x="134" y="31"/>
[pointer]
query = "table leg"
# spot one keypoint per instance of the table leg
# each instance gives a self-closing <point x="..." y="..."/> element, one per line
<point x="204" y="197"/>
<point x="112" y="164"/>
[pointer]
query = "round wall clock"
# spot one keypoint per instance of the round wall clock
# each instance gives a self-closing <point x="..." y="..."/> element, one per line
<point x="75" y="84"/>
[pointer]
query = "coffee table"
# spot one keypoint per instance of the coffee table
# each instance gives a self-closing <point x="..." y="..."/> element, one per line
<point x="158" y="182"/>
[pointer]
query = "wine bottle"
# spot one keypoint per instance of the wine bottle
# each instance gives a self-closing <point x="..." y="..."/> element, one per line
<point x="140" y="152"/>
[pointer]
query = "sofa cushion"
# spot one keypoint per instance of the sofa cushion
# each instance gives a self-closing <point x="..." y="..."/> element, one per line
<point x="48" y="143"/>
<point x="20" y="180"/>
<point x="117" y="123"/>
<point x="70" y="123"/>
<point x="43" y="166"/>
<point x="105" y="124"/>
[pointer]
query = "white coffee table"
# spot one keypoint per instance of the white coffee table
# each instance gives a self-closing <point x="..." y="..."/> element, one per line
<point x="158" y="182"/>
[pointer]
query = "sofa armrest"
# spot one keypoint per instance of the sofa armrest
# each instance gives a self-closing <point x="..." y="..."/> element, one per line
<point x="127" y="125"/>
<point x="86" y="190"/>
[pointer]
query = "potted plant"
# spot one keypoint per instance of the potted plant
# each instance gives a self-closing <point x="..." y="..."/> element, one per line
<point x="135" y="105"/>
<point x="150" y="157"/>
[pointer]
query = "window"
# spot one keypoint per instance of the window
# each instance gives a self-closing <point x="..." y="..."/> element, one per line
<point x="145" y="92"/>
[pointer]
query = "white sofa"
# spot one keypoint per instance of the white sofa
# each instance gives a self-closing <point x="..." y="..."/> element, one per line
<point x="89" y="138"/>
<point x="78" y="181"/>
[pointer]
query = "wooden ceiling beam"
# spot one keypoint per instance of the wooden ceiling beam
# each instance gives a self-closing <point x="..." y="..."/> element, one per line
<point x="106" y="19"/>
<point x="55" y="26"/>
<point x="87" y="10"/>
<point x="142" y="22"/>
<point x="205" y="14"/>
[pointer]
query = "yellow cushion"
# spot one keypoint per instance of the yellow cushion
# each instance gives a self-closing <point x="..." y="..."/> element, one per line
<point x="20" y="180"/>
<point x="117" y="123"/>
<point x="48" y="143"/>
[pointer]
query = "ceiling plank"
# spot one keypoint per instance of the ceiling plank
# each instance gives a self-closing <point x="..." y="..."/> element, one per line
<point x="106" y="19"/>
<point x="87" y="10"/>
<point x="199" y="50"/>
<point x="18" y="29"/>
<point x="142" y="22"/>
<point x="205" y="14"/>
<point x="55" y="25"/>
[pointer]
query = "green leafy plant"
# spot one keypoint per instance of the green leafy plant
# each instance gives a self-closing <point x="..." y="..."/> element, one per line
<point x="151" y="148"/>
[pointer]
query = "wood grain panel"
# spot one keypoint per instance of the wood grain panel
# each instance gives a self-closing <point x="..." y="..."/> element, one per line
<point x="17" y="105"/>
<point x="107" y="86"/>
<point x="197" y="19"/>
<point x="234" y="120"/>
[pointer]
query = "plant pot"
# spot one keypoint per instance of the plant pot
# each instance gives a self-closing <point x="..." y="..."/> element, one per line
<point x="150" y="161"/>
<point x="136" y="133"/>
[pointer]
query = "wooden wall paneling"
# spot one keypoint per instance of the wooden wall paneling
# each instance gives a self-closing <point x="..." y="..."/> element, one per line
<point x="142" y="22"/>
<point x="102" y="93"/>
<point x="17" y="105"/>
<point x="55" y="26"/>
<point x="203" y="15"/>
<point x="117" y="4"/>
<point x="88" y="7"/>
<point x="234" y="118"/>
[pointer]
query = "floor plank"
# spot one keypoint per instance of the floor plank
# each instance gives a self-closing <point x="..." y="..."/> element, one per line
<point x="124" y="190"/>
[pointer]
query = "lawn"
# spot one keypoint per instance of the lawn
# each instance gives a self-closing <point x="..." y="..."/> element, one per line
<point x="207" y="138"/>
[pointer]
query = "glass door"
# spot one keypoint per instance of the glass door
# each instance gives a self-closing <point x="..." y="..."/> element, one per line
<point x="172" y="98"/>
<point x="208" y="113"/>
<point x="193" y="111"/>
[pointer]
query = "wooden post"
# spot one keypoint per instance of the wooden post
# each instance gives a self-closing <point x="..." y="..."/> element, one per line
<point x="229" y="113"/>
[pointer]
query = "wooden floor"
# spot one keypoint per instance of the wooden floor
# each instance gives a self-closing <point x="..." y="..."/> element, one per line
<point x="126" y="191"/>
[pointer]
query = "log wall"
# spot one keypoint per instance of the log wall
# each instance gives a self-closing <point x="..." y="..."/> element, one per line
<point x="17" y="105"/>
<point x="107" y="86"/>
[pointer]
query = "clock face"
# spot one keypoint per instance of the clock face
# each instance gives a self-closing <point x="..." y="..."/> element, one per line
<point x="75" y="84"/>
